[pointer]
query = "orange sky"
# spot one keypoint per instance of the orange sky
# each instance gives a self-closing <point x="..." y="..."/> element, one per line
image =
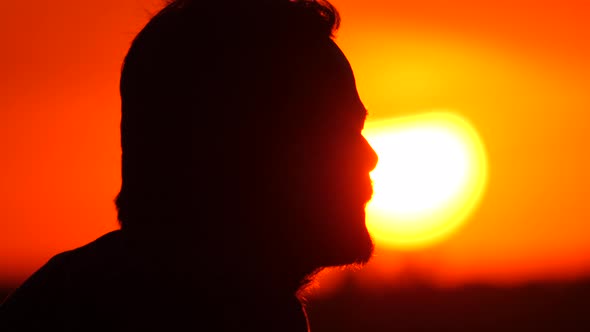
<point x="518" y="70"/>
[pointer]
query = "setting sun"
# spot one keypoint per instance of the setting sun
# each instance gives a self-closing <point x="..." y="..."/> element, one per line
<point x="431" y="174"/>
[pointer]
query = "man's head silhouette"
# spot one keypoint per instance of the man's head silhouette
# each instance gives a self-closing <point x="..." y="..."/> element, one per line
<point x="244" y="172"/>
<point x="241" y="126"/>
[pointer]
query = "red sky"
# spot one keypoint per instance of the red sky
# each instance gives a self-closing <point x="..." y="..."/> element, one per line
<point x="518" y="70"/>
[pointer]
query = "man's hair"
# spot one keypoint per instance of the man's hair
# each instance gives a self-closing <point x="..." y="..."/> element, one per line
<point x="209" y="90"/>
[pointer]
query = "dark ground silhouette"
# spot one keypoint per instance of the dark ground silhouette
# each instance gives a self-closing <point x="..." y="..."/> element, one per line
<point x="555" y="306"/>
<point x="552" y="306"/>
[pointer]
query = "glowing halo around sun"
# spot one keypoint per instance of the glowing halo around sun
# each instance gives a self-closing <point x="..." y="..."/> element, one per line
<point x="431" y="175"/>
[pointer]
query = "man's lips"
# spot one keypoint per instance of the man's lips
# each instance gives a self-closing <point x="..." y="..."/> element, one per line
<point x="368" y="191"/>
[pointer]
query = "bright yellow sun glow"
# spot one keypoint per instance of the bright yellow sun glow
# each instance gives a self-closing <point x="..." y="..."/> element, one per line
<point x="431" y="175"/>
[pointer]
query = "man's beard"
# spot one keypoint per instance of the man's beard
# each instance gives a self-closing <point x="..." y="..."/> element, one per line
<point x="327" y="225"/>
<point x="347" y="239"/>
<point x="337" y="236"/>
<point x="349" y="244"/>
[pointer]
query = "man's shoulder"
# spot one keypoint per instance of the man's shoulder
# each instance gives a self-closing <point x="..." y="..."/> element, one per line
<point x="96" y="255"/>
<point x="64" y="281"/>
<point x="106" y="245"/>
<point x="88" y="260"/>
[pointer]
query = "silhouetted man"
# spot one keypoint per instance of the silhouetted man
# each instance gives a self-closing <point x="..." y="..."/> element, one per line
<point x="244" y="174"/>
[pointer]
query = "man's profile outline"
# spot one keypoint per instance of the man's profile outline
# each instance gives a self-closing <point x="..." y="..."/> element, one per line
<point x="244" y="173"/>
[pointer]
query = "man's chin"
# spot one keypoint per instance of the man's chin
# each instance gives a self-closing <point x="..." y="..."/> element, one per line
<point x="350" y="251"/>
<point x="362" y="252"/>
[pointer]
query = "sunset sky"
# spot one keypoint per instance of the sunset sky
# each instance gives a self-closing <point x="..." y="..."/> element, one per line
<point x="518" y="71"/>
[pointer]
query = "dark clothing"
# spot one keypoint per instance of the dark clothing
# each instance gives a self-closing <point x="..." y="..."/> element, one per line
<point x="111" y="284"/>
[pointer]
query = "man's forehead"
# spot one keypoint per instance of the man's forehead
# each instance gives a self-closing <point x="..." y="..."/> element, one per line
<point x="364" y="112"/>
<point x="322" y="81"/>
<point x="340" y="86"/>
<point x="344" y="81"/>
